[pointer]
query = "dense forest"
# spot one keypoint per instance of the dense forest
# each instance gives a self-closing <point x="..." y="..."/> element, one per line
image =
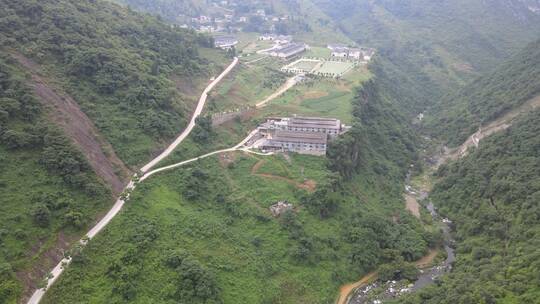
<point x="492" y="196"/>
<point x="438" y="45"/>
<point x="118" y="66"/>
<point x="115" y="63"/>
<point x="513" y="83"/>
<point x="61" y="192"/>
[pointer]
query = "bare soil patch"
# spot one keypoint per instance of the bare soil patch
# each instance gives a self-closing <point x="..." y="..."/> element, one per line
<point x="64" y="111"/>
<point x="226" y="158"/>
<point x="314" y="94"/>
<point x="347" y="289"/>
<point x="499" y="124"/>
<point x="412" y="205"/>
<point x="427" y="260"/>
<point x="309" y="185"/>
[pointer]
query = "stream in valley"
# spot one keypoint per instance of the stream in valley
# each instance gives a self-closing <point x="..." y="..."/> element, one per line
<point x="378" y="292"/>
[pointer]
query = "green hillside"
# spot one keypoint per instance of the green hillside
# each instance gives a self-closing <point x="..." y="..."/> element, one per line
<point x="49" y="192"/>
<point x="513" y="83"/>
<point x="135" y="77"/>
<point x="206" y="228"/>
<point x="176" y="11"/>
<point x="492" y="196"/>
<point x="122" y="68"/>
<point x="440" y="45"/>
<point x="305" y="20"/>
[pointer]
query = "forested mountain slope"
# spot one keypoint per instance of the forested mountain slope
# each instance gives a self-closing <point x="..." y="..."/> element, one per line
<point x="74" y="77"/>
<point x="513" y="83"/>
<point x="176" y="11"/>
<point x="492" y="196"/>
<point x="49" y="191"/>
<point x="116" y="64"/>
<point x="438" y="44"/>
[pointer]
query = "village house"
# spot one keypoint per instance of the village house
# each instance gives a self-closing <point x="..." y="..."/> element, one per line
<point x="225" y="42"/>
<point x="356" y="54"/>
<point x="342" y="51"/>
<point x="267" y="37"/>
<point x="288" y="50"/>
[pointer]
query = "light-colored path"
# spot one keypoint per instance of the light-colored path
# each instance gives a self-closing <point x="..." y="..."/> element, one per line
<point x="198" y="110"/>
<point x="497" y="125"/>
<point x="59" y="268"/>
<point x="286" y="86"/>
<point x="238" y="147"/>
<point x="346" y="290"/>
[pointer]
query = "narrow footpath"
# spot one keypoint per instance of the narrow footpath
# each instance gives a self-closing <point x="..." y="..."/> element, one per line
<point x="291" y="82"/>
<point x="59" y="268"/>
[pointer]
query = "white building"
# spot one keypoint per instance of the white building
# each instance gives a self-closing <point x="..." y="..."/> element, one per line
<point x="225" y="42"/>
<point x="267" y="37"/>
<point x="340" y="52"/>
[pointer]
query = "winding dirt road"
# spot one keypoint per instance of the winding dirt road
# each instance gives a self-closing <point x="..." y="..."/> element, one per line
<point x="286" y="86"/>
<point x="59" y="268"/>
<point x="191" y="125"/>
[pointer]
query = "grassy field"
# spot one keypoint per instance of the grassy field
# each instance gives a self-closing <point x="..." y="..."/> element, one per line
<point x="321" y="97"/>
<point x="335" y="67"/>
<point x="305" y="65"/>
<point x="246" y="85"/>
<point x="225" y="227"/>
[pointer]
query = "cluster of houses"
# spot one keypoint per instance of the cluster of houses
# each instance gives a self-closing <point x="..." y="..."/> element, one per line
<point x="343" y="51"/>
<point x="304" y="135"/>
<point x="225" y="17"/>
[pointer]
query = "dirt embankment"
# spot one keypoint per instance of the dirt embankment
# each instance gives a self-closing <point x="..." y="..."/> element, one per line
<point x="347" y="289"/>
<point x="412" y="205"/>
<point x="486" y="130"/>
<point x="66" y="113"/>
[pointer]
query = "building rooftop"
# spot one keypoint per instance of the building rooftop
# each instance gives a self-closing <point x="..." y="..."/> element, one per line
<point x="336" y="45"/>
<point x="300" y="137"/>
<point x="225" y="41"/>
<point x="315" y="122"/>
<point x="290" y="48"/>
